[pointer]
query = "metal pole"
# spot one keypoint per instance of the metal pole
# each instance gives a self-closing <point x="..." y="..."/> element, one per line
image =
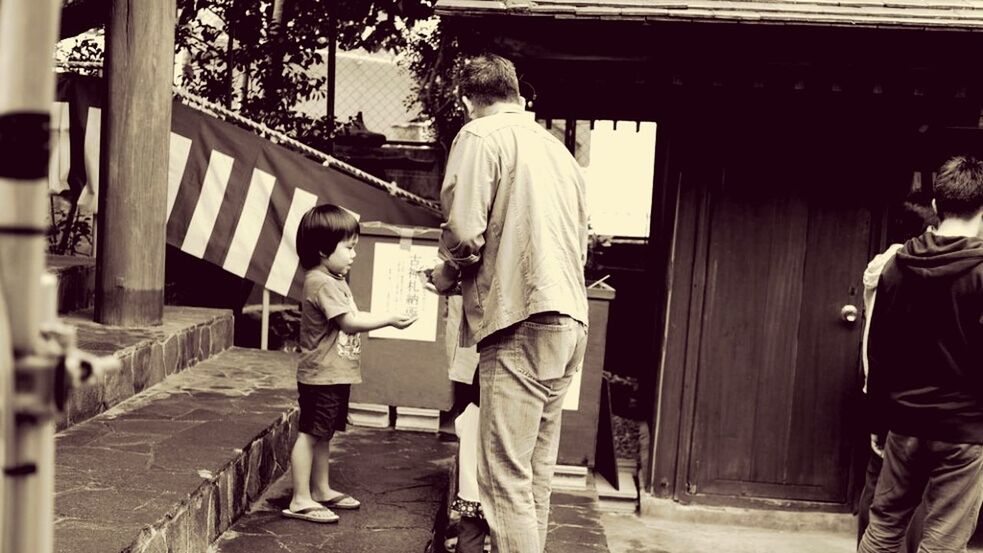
<point x="28" y="32"/>
<point x="332" y="61"/>
<point x="230" y="57"/>
<point x="6" y="425"/>
<point x="264" y="325"/>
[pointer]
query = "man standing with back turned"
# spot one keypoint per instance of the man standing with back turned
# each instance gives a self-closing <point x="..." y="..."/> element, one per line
<point x="515" y="237"/>
<point x="925" y="354"/>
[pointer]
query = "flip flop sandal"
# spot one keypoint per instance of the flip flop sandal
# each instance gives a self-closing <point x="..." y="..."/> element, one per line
<point x="343" y="501"/>
<point x="312" y="514"/>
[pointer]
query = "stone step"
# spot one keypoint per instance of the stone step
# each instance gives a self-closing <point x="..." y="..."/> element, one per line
<point x="168" y="470"/>
<point x="621" y="500"/>
<point x="76" y="281"/>
<point x="401" y="479"/>
<point x="187" y="336"/>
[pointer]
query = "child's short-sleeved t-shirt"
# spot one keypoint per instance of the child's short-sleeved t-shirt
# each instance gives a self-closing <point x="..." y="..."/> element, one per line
<point x="328" y="355"/>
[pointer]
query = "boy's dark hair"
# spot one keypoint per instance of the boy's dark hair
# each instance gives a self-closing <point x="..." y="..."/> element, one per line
<point x="320" y="231"/>
<point x="959" y="187"/>
<point x="488" y="78"/>
<point x="913" y="218"/>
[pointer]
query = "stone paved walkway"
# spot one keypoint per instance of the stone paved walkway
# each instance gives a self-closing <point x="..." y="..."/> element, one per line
<point x="401" y="478"/>
<point x="575" y="524"/>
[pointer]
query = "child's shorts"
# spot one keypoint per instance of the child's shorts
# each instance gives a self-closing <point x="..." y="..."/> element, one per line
<point x="323" y="409"/>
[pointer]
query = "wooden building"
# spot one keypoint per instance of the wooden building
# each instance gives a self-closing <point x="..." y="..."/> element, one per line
<point x="787" y="132"/>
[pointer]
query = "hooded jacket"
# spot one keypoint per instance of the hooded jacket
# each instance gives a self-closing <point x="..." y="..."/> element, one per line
<point x="925" y="348"/>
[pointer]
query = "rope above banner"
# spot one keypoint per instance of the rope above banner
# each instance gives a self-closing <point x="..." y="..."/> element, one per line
<point x="235" y="195"/>
<point x="217" y="110"/>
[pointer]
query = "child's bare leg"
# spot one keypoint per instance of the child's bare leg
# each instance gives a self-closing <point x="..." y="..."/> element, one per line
<point x="301" y="461"/>
<point x="320" y="486"/>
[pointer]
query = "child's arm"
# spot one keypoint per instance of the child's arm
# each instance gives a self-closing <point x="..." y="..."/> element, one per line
<point x="354" y="322"/>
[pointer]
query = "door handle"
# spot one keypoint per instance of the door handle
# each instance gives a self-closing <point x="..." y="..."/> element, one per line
<point x="849" y="313"/>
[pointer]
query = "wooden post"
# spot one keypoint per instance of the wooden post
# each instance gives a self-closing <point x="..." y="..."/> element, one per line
<point x="139" y="71"/>
<point x="28" y="31"/>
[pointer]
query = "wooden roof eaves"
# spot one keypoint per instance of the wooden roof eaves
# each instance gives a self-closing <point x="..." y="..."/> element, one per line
<point x="893" y="15"/>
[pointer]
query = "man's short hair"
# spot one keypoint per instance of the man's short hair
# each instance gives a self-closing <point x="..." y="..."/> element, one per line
<point x="487" y="79"/>
<point x="959" y="187"/>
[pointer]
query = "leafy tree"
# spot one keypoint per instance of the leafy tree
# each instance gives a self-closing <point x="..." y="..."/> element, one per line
<point x="258" y="56"/>
<point x="433" y="56"/>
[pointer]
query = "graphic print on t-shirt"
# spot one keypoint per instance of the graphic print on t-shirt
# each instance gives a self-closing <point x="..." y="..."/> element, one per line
<point x="349" y="346"/>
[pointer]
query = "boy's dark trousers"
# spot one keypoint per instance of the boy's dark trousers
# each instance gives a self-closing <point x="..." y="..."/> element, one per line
<point x="913" y="535"/>
<point x="471" y="534"/>
<point x="943" y="477"/>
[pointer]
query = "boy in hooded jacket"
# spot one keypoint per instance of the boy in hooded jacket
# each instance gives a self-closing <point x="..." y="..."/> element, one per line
<point x="925" y="357"/>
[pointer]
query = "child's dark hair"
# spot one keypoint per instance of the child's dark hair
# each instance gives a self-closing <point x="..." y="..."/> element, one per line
<point x="959" y="187"/>
<point x="320" y="231"/>
<point x="912" y="218"/>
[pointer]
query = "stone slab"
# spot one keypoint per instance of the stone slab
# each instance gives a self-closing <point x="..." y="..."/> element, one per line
<point x="371" y="415"/>
<point x="170" y="469"/>
<point x="793" y="521"/>
<point x="621" y="500"/>
<point x="575" y="524"/>
<point x="415" y="419"/>
<point x="401" y="478"/>
<point x="147" y="355"/>
<point x="629" y="533"/>
<point x="570" y="477"/>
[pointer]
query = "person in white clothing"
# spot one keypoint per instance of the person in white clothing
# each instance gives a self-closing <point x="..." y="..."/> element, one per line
<point x="917" y="216"/>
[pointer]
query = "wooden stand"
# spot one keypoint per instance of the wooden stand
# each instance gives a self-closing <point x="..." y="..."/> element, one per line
<point x="407" y="373"/>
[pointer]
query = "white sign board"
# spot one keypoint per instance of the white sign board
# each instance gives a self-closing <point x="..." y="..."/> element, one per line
<point x="396" y="288"/>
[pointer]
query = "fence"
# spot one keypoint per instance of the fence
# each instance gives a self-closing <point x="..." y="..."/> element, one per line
<point x="375" y="86"/>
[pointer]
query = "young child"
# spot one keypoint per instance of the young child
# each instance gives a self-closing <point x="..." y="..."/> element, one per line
<point x="329" y="363"/>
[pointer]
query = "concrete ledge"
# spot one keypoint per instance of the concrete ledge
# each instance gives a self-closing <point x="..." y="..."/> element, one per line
<point x="76" y="281"/>
<point x="187" y="336"/>
<point x="168" y="470"/>
<point x="797" y="521"/>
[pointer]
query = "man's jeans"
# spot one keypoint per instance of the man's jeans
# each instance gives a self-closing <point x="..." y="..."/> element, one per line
<point x="524" y="371"/>
<point x="949" y="476"/>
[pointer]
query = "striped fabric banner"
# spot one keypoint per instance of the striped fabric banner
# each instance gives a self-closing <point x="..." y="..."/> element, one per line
<point x="235" y="199"/>
<point x="76" y="120"/>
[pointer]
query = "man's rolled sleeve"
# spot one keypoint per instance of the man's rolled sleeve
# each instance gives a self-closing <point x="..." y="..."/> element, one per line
<point x="466" y="196"/>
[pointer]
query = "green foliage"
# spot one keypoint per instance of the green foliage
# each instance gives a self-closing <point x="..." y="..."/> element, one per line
<point x="70" y="232"/>
<point x="434" y="56"/>
<point x="277" y="45"/>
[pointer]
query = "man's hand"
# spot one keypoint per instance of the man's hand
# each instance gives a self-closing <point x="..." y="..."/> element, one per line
<point x="402" y="321"/>
<point x="877" y="445"/>
<point x="444" y="278"/>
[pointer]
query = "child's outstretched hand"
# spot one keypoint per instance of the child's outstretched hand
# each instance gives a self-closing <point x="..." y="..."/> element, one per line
<point x="402" y="321"/>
